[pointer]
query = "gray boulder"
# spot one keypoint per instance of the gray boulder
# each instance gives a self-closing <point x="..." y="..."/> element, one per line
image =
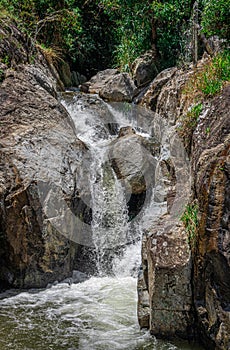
<point x="97" y="82"/>
<point x="132" y="161"/>
<point x="119" y="88"/>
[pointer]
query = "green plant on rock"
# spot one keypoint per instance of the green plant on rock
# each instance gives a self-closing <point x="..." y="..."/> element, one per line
<point x="6" y="60"/>
<point x="2" y="75"/>
<point x="209" y="80"/>
<point x="52" y="54"/>
<point x="188" y="124"/>
<point x="190" y="220"/>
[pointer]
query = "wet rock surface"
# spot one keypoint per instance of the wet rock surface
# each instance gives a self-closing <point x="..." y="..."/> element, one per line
<point x="132" y="161"/>
<point x="97" y="82"/>
<point x="120" y="88"/>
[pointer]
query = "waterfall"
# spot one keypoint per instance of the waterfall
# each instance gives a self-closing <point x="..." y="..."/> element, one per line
<point x="110" y="217"/>
<point x="113" y="235"/>
<point x="101" y="312"/>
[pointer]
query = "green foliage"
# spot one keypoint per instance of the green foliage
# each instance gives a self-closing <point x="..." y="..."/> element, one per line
<point x="190" y="220"/>
<point x="94" y="34"/>
<point x="81" y="29"/>
<point x="216" y="18"/>
<point x="2" y="75"/>
<point x="6" y="60"/>
<point x="132" y="29"/>
<point x="171" y="20"/>
<point x="215" y="74"/>
<point x="210" y="80"/>
<point x="195" y="111"/>
<point x="56" y="19"/>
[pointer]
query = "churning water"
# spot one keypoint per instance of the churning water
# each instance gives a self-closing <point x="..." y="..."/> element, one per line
<point x="100" y="313"/>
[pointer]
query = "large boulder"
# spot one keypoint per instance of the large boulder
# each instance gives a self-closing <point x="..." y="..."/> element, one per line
<point x="111" y="85"/>
<point x="164" y="289"/>
<point x="97" y="82"/>
<point x="40" y="156"/>
<point x="132" y="158"/>
<point x="150" y="97"/>
<point x="120" y="88"/>
<point x="132" y="161"/>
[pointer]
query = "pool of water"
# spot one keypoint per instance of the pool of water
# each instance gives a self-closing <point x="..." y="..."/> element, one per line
<point x="98" y="314"/>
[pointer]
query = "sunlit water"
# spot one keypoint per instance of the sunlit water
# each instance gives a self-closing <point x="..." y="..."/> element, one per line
<point x="100" y="313"/>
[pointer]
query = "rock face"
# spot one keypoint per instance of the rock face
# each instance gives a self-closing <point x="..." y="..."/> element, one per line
<point x="164" y="289"/>
<point x="211" y="255"/>
<point x="132" y="159"/>
<point x="39" y="154"/>
<point x="151" y="96"/>
<point x="144" y="68"/>
<point x="185" y="289"/>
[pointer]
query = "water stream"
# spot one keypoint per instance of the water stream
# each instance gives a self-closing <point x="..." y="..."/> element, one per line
<point x="100" y="313"/>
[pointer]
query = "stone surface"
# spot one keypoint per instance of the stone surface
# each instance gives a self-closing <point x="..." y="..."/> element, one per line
<point x="65" y="73"/>
<point x="77" y="78"/>
<point x="211" y="255"/>
<point x="210" y="160"/>
<point x="150" y="97"/>
<point x="111" y="85"/>
<point x="39" y="154"/>
<point x="97" y="82"/>
<point x="131" y="160"/>
<point x="164" y="285"/>
<point x="166" y="262"/>
<point x="119" y="88"/>
<point x="144" y="68"/>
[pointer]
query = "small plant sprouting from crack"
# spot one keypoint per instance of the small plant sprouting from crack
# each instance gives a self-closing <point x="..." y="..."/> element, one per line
<point x="190" y="220"/>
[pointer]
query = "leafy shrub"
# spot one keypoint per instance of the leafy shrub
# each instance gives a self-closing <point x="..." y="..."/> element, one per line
<point x="172" y="22"/>
<point x="215" y="18"/>
<point x="132" y="29"/>
<point x="78" y="28"/>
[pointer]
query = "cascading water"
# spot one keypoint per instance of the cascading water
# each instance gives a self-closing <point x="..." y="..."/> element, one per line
<point x="110" y="219"/>
<point x="100" y="313"/>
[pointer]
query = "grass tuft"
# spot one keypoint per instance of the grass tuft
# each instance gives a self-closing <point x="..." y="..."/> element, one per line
<point x="52" y="54"/>
<point x="211" y="78"/>
<point x="190" y="220"/>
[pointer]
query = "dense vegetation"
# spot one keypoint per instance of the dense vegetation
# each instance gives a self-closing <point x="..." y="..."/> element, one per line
<point x="95" y="34"/>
